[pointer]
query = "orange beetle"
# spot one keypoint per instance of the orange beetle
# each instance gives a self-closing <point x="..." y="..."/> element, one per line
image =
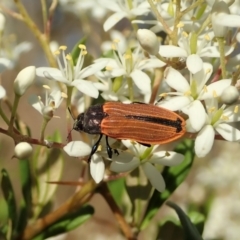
<point x="143" y="123"/>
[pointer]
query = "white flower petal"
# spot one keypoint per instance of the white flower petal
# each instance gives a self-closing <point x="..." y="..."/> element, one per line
<point x="151" y="63"/>
<point x="86" y="87"/>
<point x="228" y="132"/>
<point x="97" y="168"/>
<point x="214" y="89"/>
<point x="172" y="159"/>
<point x="113" y="20"/>
<point x="227" y="20"/>
<point x="175" y="103"/>
<point x="124" y="167"/>
<point x="194" y="63"/>
<point x="176" y="80"/>
<point x="2" y="92"/>
<point x="154" y="176"/>
<point x="51" y="74"/>
<point x="77" y="149"/>
<point x="204" y="141"/>
<point x="197" y="115"/>
<point x="141" y="80"/>
<point x="90" y="70"/>
<point x="5" y="64"/>
<point x="172" y="51"/>
<point x="35" y="102"/>
<point x="213" y="51"/>
<point x="232" y="114"/>
<point x="110" y="96"/>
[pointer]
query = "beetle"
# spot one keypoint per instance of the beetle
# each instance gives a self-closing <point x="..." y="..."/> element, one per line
<point x="144" y="123"/>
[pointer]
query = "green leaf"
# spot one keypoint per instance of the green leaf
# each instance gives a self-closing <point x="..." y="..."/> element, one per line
<point x="9" y="196"/>
<point x="116" y="188"/>
<point x="173" y="177"/>
<point x="48" y="166"/>
<point x="190" y="231"/>
<point x="26" y="203"/>
<point x="67" y="223"/>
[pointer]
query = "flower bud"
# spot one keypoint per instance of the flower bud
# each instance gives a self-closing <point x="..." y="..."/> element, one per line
<point x="22" y="150"/>
<point x="24" y="80"/>
<point x="2" y="22"/>
<point x="219" y="11"/>
<point x="148" y="41"/>
<point x="230" y="95"/>
<point x="47" y="112"/>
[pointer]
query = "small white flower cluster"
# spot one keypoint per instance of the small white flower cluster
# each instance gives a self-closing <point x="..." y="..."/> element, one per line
<point x="194" y="60"/>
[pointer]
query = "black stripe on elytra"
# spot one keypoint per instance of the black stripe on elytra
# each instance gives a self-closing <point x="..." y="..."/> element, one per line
<point x="163" y="121"/>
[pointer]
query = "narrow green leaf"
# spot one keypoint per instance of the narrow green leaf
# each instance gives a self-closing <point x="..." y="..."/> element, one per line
<point x="116" y="188"/>
<point x="67" y="223"/>
<point x="9" y="196"/>
<point x="190" y="231"/>
<point x="173" y="177"/>
<point x="88" y="59"/>
<point x="26" y="204"/>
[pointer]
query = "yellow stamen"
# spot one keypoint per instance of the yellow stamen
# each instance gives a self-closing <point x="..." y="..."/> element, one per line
<point x="187" y="93"/>
<point x="82" y="47"/>
<point x="127" y="56"/>
<point x="116" y="40"/>
<point x="185" y="34"/>
<point x="69" y="57"/>
<point x="207" y="37"/>
<point x="84" y="52"/>
<point x="212" y="109"/>
<point x="224" y="117"/>
<point x="63" y="48"/>
<point x="180" y="25"/>
<point x="108" y="68"/>
<point x="215" y="94"/>
<point x="205" y="89"/>
<point x="46" y="87"/>
<point x="236" y="109"/>
<point x="56" y="52"/>
<point x="114" y="47"/>
<point x="64" y="95"/>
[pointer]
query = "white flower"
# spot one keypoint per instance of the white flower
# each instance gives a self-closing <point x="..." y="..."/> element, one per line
<point x="84" y="7"/>
<point x="122" y="10"/>
<point x="73" y="76"/>
<point x="9" y="55"/>
<point x="217" y="119"/>
<point x="145" y="157"/>
<point x="193" y="48"/>
<point x="116" y="90"/>
<point x="52" y="102"/>
<point x="132" y="64"/>
<point x="188" y="95"/>
<point x="82" y="149"/>
<point x="24" y="80"/>
<point x="222" y="19"/>
<point x="23" y="150"/>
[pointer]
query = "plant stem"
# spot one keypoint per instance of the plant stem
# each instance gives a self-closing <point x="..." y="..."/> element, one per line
<point x="103" y="188"/>
<point x="222" y="56"/>
<point x="14" y="110"/>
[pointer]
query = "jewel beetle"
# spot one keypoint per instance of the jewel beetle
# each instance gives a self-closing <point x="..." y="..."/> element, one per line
<point x="144" y="123"/>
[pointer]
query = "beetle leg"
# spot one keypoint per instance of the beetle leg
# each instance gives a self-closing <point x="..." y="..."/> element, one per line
<point x="109" y="149"/>
<point x="94" y="148"/>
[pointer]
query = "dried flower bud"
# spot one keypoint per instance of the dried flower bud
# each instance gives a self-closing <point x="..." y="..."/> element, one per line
<point x="24" y="80"/>
<point x="148" y="41"/>
<point x="230" y="95"/>
<point x="22" y="150"/>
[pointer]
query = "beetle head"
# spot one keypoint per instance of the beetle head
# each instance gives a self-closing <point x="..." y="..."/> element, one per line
<point x="78" y="124"/>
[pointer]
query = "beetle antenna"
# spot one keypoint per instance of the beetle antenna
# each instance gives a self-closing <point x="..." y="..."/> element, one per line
<point x="70" y="113"/>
